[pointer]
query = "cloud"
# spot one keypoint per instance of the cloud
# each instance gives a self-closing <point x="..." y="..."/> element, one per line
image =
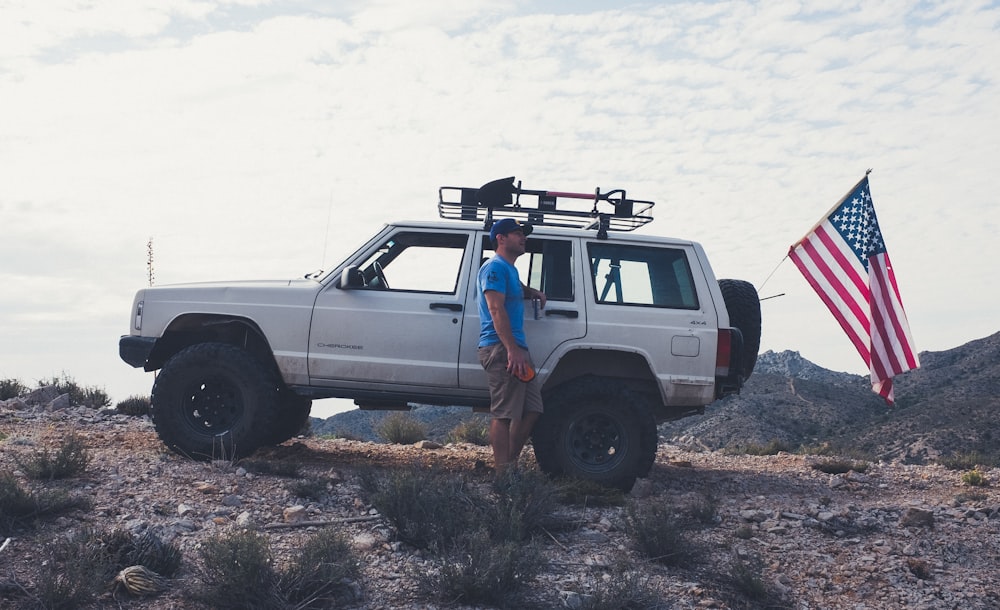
<point x="230" y="132"/>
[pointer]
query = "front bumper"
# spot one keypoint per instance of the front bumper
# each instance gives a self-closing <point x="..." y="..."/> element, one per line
<point x="136" y="350"/>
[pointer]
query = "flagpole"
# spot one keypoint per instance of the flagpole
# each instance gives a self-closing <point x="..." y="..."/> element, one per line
<point x="828" y="212"/>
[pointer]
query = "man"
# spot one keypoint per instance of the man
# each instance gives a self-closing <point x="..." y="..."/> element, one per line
<point x="515" y="405"/>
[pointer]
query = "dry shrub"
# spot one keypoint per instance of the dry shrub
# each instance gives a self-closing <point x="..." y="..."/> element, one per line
<point x="401" y="429"/>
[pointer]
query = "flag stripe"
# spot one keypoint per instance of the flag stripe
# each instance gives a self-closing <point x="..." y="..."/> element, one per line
<point x="845" y="261"/>
<point x="896" y="328"/>
<point x="858" y="336"/>
<point x="830" y="287"/>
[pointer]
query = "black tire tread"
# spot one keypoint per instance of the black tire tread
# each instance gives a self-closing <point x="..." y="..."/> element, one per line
<point x="743" y="306"/>
<point x="561" y="404"/>
<point x="257" y="381"/>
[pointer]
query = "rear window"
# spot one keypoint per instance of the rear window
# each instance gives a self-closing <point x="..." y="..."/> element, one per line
<point x="641" y="276"/>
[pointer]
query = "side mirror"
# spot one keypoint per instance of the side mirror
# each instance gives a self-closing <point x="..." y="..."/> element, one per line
<point x="351" y="277"/>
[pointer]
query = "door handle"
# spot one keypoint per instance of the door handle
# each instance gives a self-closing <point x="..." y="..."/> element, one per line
<point x="448" y="306"/>
<point x="566" y="313"/>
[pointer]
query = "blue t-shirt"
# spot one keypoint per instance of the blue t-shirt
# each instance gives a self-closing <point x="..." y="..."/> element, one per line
<point x="499" y="275"/>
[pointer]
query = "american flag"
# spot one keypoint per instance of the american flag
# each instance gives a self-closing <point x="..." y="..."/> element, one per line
<point x="845" y="260"/>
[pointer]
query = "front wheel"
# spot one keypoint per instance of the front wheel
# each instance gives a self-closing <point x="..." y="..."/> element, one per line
<point x="214" y="401"/>
<point x="292" y="418"/>
<point x="596" y="429"/>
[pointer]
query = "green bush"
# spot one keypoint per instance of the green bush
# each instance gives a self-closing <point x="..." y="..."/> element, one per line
<point x="84" y="396"/>
<point x="401" y="429"/>
<point x="482" y="539"/>
<point x="238" y="571"/>
<point x="659" y="533"/>
<point x="124" y="548"/>
<point x="523" y="505"/>
<point x="414" y="501"/>
<point x="19" y="506"/>
<point x="12" y="388"/>
<point x="625" y="590"/>
<point x="975" y="478"/>
<point x="322" y="572"/>
<point x="69" y="460"/>
<point x="136" y="406"/>
<point x="76" y="569"/>
<point x="971" y="460"/>
<point x="478" y="570"/>
<point x="773" y="447"/>
<point x="747" y="581"/>
<point x="475" y="431"/>
<point x="581" y="492"/>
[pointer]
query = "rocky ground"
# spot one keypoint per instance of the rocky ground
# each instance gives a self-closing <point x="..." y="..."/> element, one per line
<point x="893" y="536"/>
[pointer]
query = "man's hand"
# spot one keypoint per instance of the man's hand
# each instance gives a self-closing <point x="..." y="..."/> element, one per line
<point x="518" y="361"/>
<point x="533" y="293"/>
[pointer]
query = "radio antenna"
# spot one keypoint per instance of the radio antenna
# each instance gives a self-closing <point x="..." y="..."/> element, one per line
<point x="326" y="235"/>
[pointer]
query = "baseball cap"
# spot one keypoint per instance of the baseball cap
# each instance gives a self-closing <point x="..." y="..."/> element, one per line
<point x="506" y="225"/>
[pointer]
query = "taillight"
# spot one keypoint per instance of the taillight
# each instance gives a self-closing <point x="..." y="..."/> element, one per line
<point x="724" y="352"/>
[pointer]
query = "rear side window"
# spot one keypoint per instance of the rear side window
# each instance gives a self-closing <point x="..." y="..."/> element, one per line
<point x="547" y="265"/>
<point x="641" y="276"/>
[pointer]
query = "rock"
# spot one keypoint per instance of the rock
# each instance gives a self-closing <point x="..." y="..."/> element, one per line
<point x="184" y="509"/>
<point x="916" y="517"/>
<point x="232" y="500"/>
<point x="244" y="519"/>
<point x="206" y="487"/>
<point x="294" y="514"/>
<point x="13" y="404"/>
<point x="58" y="403"/>
<point x="426" y="445"/>
<point x="364" y="541"/>
<point x="41" y="396"/>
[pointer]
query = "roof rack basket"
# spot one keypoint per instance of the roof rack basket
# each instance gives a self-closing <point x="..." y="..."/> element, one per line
<point x="611" y="211"/>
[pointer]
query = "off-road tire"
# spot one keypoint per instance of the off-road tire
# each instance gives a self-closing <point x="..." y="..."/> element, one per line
<point x="214" y="401"/>
<point x="596" y="429"/>
<point x="743" y="306"/>
<point x="291" y="420"/>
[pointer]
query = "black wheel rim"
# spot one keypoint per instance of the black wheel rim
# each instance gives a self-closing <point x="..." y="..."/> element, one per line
<point x="596" y="442"/>
<point x="212" y="405"/>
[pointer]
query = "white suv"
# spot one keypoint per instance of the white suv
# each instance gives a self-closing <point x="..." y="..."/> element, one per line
<point x="637" y="330"/>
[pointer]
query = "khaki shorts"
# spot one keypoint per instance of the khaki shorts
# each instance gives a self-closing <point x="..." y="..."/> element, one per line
<point x="509" y="396"/>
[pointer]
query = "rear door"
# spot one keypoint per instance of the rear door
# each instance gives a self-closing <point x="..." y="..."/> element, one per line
<point x="647" y="297"/>
<point x="551" y="264"/>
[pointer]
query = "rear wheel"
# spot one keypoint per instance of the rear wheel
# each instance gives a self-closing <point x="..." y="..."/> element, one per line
<point x="596" y="429"/>
<point x="214" y="401"/>
<point x="743" y="306"/>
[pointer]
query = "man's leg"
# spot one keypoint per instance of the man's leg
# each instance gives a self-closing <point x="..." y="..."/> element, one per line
<point x="520" y="430"/>
<point x="500" y="440"/>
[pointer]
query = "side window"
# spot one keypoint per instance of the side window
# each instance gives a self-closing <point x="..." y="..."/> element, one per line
<point x="642" y="275"/>
<point x="547" y="265"/>
<point x="416" y="262"/>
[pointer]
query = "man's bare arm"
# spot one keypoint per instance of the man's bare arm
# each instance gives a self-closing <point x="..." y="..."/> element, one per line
<point x="517" y="356"/>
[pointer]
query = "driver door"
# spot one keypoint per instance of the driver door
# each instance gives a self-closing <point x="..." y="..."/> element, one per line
<point x="401" y="324"/>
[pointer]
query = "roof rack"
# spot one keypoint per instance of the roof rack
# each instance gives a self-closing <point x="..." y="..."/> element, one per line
<point x="611" y="211"/>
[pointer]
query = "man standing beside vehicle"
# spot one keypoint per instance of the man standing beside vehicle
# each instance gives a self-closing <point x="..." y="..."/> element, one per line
<point x="515" y="396"/>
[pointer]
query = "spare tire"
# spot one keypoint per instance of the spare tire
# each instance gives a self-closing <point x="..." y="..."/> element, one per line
<point x="743" y="306"/>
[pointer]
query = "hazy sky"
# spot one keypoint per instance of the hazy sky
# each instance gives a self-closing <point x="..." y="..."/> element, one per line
<point x="253" y="139"/>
